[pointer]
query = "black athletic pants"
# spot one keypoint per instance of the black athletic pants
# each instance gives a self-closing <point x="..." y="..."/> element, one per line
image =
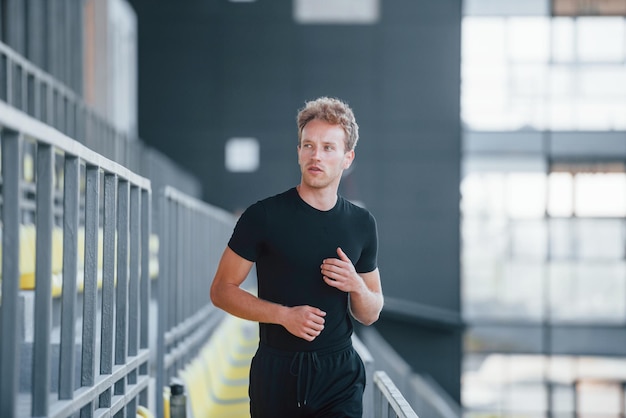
<point x="328" y="383"/>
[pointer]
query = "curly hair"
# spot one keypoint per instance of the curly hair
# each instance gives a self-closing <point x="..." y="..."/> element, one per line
<point x="333" y="111"/>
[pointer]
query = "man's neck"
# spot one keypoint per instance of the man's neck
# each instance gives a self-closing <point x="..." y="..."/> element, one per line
<point x="321" y="199"/>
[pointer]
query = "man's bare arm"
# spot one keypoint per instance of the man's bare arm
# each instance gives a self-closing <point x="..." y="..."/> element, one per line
<point x="305" y="322"/>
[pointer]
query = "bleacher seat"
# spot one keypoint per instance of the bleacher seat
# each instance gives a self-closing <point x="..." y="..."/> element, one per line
<point x="27" y="263"/>
<point x="217" y="380"/>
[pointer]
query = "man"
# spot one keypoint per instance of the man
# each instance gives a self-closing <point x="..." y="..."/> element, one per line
<point x="316" y="262"/>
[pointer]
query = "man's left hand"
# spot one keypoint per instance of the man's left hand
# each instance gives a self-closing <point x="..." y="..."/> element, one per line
<point x="340" y="273"/>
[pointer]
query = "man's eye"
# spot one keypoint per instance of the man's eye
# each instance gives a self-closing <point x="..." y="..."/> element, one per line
<point x="328" y="148"/>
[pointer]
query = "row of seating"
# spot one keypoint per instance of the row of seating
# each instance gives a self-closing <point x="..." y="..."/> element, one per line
<point x="217" y="380"/>
<point x="28" y="237"/>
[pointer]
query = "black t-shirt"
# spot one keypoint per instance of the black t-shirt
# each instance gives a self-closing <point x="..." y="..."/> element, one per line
<point x="288" y="239"/>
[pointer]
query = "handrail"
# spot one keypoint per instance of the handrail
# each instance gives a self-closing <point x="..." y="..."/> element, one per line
<point x="192" y="236"/>
<point x="123" y="320"/>
<point x="388" y="400"/>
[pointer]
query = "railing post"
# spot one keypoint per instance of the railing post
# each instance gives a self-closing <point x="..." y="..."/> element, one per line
<point x="9" y="317"/>
<point x="90" y="290"/>
<point x="70" y="272"/>
<point x="43" y="281"/>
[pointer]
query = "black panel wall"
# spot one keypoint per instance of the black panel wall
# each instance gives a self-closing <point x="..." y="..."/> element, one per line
<point x="210" y="70"/>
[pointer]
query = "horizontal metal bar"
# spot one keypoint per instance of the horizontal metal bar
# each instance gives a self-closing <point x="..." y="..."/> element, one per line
<point x="393" y="396"/>
<point x="120" y="401"/>
<point x="198" y="205"/>
<point x="37" y="72"/>
<point x="85" y="395"/>
<point x="189" y="324"/>
<point x="31" y="127"/>
<point x="195" y="339"/>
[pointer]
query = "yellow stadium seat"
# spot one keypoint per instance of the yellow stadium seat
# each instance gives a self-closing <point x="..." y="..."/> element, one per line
<point x="217" y="380"/>
<point x="166" y="402"/>
<point x="144" y="412"/>
<point x="27" y="256"/>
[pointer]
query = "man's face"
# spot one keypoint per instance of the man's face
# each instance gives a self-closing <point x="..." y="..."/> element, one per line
<point x="321" y="154"/>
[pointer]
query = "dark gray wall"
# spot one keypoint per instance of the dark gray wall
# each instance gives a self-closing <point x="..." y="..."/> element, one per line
<point x="210" y="70"/>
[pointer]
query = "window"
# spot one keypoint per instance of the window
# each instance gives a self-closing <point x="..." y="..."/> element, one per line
<point x="242" y="155"/>
<point x="537" y="72"/>
<point x="336" y="11"/>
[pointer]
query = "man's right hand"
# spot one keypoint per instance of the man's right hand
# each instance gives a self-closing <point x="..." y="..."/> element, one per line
<point x="304" y="321"/>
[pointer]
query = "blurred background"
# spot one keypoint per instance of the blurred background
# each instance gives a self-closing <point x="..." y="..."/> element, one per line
<point x="492" y="153"/>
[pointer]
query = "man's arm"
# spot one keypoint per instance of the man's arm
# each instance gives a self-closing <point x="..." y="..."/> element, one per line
<point x="365" y="305"/>
<point x="226" y="293"/>
<point x="366" y="296"/>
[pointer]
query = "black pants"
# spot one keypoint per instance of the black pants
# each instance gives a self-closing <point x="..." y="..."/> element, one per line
<point x="326" y="383"/>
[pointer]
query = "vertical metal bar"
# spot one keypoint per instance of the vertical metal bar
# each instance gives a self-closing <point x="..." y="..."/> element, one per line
<point x="207" y="249"/>
<point x="76" y="37"/>
<point x="121" y="297"/>
<point x="43" y="281"/>
<point x="195" y="222"/>
<point x="50" y="104"/>
<point x="9" y="315"/>
<point x="81" y="120"/>
<point x="576" y="387"/>
<point x="15" y="22"/>
<point x="145" y="267"/>
<point x="378" y="400"/>
<point x="70" y="118"/>
<point x="144" y="283"/>
<point x="34" y="33"/>
<point x="23" y="83"/>
<point x="54" y="108"/>
<point x="196" y="260"/>
<point x="43" y="102"/>
<point x="133" y="285"/>
<point x="90" y="290"/>
<point x="108" y="284"/>
<point x="60" y="112"/>
<point x="52" y="44"/>
<point x="180" y="261"/>
<point x="4" y="78"/>
<point x="18" y="86"/>
<point x="185" y="288"/>
<point x="37" y="99"/>
<point x="622" y="400"/>
<point x="164" y="235"/>
<point x="31" y="95"/>
<point x="66" y="42"/>
<point x="70" y="272"/>
<point x="172" y="275"/>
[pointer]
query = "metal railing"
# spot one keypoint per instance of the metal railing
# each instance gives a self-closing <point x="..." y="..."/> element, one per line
<point x="388" y="401"/>
<point x="110" y="352"/>
<point x="28" y="88"/>
<point x="193" y="235"/>
<point x="422" y="393"/>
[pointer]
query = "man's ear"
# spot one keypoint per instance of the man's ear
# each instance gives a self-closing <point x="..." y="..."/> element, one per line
<point x="349" y="157"/>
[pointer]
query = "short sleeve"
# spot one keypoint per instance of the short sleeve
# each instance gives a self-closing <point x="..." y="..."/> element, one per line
<point x="369" y="256"/>
<point x="248" y="233"/>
